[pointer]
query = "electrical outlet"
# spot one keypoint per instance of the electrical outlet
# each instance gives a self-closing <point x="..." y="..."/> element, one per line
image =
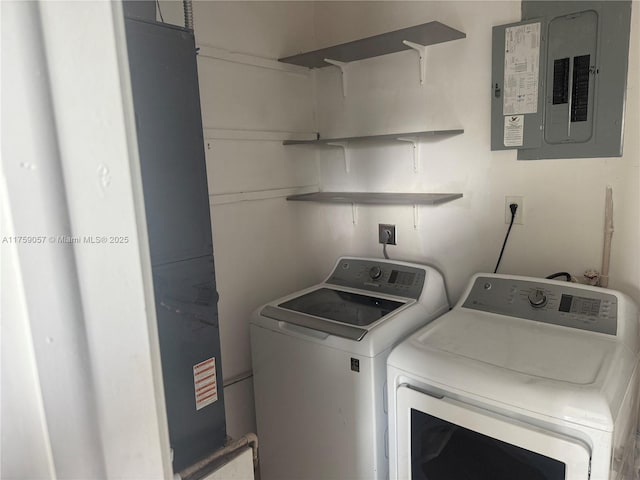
<point x="518" y="200"/>
<point x="383" y="228"/>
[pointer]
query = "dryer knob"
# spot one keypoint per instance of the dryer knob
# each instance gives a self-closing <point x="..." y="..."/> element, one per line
<point x="375" y="272"/>
<point x="537" y="298"/>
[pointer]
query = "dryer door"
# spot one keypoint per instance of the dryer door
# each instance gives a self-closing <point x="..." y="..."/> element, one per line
<point x="443" y="439"/>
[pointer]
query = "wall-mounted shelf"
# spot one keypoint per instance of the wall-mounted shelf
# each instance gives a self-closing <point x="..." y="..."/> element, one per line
<point x="383" y="44"/>
<point x="392" y="136"/>
<point x="377" y="198"/>
<point x="412" y="137"/>
<point x="417" y="38"/>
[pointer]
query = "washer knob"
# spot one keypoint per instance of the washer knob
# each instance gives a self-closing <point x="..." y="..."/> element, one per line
<point x="375" y="272"/>
<point x="537" y="298"/>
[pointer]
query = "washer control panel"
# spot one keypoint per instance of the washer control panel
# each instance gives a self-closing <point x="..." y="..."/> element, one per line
<point x="591" y="310"/>
<point x="379" y="276"/>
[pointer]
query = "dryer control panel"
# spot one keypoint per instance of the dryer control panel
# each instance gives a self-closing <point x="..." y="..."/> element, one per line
<point x="584" y="309"/>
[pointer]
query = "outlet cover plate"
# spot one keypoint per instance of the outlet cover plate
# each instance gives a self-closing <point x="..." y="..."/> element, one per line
<point x="508" y="200"/>
<point x="382" y="229"/>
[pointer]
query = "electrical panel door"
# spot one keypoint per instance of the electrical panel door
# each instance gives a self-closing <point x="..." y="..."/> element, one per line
<point x="580" y="81"/>
<point x="571" y="73"/>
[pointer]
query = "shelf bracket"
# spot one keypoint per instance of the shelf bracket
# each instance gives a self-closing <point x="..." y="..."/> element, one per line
<point x="347" y="159"/>
<point x="354" y="213"/>
<point x="422" y="51"/>
<point x="416" y="217"/>
<point x="343" y="72"/>
<point x="416" y="150"/>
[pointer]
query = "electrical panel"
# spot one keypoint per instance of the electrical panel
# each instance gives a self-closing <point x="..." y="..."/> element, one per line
<point x="559" y="80"/>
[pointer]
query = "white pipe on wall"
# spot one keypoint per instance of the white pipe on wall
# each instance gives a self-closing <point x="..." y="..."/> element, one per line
<point x="608" y="234"/>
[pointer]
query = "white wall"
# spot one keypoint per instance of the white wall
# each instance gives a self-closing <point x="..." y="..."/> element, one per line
<point x="563" y="199"/>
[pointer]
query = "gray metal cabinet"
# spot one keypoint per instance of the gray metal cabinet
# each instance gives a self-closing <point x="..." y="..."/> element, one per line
<point x="186" y="308"/>
<point x="163" y="67"/>
<point x="166" y="99"/>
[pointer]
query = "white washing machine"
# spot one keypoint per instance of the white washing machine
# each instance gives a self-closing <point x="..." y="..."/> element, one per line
<point x="525" y="379"/>
<point x="319" y="366"/>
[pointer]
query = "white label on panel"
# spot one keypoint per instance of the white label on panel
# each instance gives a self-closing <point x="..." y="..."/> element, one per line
<point x="205" y="383"/>
<point x="521" y="69"/>
<point x="513" y="130"/>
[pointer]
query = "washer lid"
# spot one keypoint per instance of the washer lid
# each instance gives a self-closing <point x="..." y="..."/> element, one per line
<point x="345" y="307"/>
<point x="560" y="372"/>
